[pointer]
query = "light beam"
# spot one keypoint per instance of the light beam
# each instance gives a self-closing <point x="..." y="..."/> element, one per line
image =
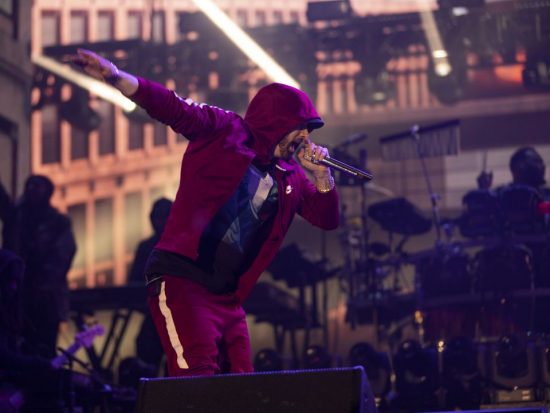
<point x="96" y="87"/>
<point x="245" y="43"/>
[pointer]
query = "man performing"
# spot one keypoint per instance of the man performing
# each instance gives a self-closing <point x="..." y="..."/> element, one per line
<point x="239" y="190"/>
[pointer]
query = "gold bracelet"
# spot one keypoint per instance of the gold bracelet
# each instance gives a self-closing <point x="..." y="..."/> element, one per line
<point x="330" y="187"/>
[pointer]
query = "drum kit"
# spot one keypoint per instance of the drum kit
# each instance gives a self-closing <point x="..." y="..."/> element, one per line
<point x="494" y="281"/>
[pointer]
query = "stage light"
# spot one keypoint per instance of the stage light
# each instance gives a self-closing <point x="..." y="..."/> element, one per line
<point x="416" y="376"/>
<point x="245" y="43"/>
<point x="268" y="360"/>
<point x="461" y="376"/>
<point x="511" y="357"/>
<point x="433" y="37"/>
<point x="446" y="81"/>
<point x="316" y="357"/>
<point x="98" y="88"/>
<point x="442" y="69"/>
<point x="513" y="369"/>
<point x="376" y="365"/>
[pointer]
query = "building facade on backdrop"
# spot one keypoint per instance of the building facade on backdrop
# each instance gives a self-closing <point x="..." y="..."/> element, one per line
<point x="15" y="84"/>
<point x="108" y="176"/>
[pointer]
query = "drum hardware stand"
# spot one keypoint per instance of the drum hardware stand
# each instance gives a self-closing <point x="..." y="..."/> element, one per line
<point x="354" y="271"/>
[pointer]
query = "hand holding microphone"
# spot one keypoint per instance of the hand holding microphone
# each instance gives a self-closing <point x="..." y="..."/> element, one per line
<point x="322" y="158"/>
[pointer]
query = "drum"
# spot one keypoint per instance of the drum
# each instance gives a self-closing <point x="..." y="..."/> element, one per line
<point x="481" y="216"/>
<point x="503" y="268"/>
<point x="444" y="280"/>
<point x="445" y="272"/>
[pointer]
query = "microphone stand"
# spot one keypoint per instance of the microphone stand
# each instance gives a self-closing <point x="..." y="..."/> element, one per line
<point x="415" y="133"/>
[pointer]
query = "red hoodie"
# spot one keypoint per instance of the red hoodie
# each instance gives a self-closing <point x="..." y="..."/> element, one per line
<point x="221" y="147"/>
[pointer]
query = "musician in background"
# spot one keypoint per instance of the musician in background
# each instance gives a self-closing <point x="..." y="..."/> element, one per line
<point x="527" y="168"/>
<point x="520" y="223"/>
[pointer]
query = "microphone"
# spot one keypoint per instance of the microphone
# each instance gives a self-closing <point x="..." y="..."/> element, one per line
<point x="343" y="167"/>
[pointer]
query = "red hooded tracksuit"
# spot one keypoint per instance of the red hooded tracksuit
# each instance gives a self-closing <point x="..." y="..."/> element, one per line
<point x="194" y="322"/>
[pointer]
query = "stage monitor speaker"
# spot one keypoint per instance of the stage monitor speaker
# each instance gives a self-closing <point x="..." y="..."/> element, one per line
<point x="340" y="390"/>
<point x="493" y="409"/>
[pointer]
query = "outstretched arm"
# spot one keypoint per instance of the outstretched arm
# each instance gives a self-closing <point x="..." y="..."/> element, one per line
<point x="184" y="116"/>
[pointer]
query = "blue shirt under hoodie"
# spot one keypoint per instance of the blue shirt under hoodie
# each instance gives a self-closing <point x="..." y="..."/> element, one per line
<point x="228" y="243"/>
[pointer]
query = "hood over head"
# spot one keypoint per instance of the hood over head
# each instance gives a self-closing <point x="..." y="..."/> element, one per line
<point x="275" y="111"/>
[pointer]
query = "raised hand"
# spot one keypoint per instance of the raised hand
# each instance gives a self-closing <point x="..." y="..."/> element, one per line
<point x="105" y="70"/>
<point x="95" y="65"/>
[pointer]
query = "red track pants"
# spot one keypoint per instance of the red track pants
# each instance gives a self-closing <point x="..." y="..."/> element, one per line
<point x="201" y="332"/>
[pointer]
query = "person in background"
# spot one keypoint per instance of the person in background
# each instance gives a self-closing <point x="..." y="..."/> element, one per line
<point x="158" y="216"/>
<point x="43" y="238"/>
<point x="527" y="168"/>
<point x="148" y="346"/>
<point x="242" y="181"/>
<point x="526" y="256"/>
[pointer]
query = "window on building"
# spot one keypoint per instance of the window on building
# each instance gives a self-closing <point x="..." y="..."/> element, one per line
<point x="260" y="18"/>
<point x="79" y="144"/>
<point x="7" y="7"/>
<point x="51" y="136"/>
<point x="106" y="128"/>
<point x="294" y="17"/>
<point x="105" y="26"/>
<point x="160" y="136"/>
<point x="8" y="18"/>
<point x="135" y="135"/>
<point x="49" y="28"/>
<point x="133" y="215"/>
<point x="77" y="215"/>
<point x="159" y="27"/>
<point x="277" y="17"/>
<point x="103" y="241"/>
<point x="135" y="25"/>
<point x="242" y="17"/>
<point x="8" y="154"/>
<point x="156" y="193"/>
<point x="79" y="27"/>
<point x="103" y="225"/>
